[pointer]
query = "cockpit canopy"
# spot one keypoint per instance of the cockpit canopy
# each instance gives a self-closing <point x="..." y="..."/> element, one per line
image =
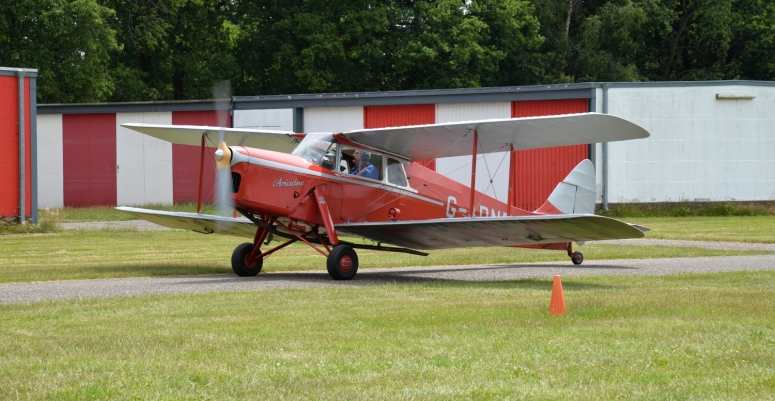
<point x="314" y="148"/>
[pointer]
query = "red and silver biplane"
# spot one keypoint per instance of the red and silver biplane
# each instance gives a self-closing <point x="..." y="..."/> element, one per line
<point x="366" y="183"/>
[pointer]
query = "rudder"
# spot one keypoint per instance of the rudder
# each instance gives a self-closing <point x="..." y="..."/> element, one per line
<point x="575" y="194"/>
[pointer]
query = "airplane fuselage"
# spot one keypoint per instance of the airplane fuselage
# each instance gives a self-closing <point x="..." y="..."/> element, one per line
<point x="280" y="184"/>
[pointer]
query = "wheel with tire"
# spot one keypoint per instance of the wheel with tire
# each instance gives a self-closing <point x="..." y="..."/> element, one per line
<point x="239" y="262"/>
<point x="577" y="258"/>
<point x="342" y="263"/>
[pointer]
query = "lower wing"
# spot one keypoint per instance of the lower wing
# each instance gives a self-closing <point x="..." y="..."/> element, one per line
<point x="201" y="223"/>
<point x="494" y="231"/>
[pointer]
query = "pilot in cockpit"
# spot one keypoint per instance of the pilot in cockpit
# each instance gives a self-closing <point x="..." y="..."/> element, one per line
<point x="362" y="166"/>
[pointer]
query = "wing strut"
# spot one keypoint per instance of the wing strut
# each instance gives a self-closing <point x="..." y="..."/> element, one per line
<point x="201" y="176"/>
<point x="512" y="194"/>
<point x="473" y="173"/>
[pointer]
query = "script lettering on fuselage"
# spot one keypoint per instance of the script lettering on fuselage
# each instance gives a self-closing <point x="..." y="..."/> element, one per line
<point x="280" y="183"/>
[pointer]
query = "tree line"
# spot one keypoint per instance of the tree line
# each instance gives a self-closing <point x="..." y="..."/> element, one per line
<point x="148" y="50"/>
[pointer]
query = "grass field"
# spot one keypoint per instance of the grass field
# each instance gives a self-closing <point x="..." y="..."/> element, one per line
<point x="677" y="337"/>
<point x="124" y="253"/>
<point x="727" y="228"/>
<point x="705" y="337"/>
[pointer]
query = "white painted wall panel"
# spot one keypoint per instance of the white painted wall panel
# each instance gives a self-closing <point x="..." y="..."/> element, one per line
<point x="50" y="161"/>
<point x="144" y="172"/>
<point x="700" y="149"/>
<point x="274" y="119"/>
<point x="494" y="166"/>
<point x="333" y="119"/>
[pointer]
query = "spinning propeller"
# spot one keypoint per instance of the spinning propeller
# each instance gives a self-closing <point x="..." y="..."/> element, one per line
<point x="224" y="201"/>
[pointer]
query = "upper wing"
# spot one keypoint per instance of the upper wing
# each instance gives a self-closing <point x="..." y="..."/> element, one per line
<point x="493" y="231"/>
<point x="279" y="141"/>
<point x="201" y="223"/>
<point x="456" y="139"/>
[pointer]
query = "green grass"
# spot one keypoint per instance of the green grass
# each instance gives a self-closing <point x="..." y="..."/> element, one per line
<point x="638" y="338"/>
<point x="689" y="209"/>
<point x="109" y="213"/>
<point x="731" y="228"/>
<point x="86" y="254"/>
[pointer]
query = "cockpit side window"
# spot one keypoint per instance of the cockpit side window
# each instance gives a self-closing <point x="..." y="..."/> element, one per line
<point x="396" y="173"/>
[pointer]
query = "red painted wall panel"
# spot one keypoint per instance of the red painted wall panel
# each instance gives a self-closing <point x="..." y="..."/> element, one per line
<point x="537" y="171"/>
<point x="89" y="159"/>
<point x="401" y="115"/>
<point x="186" y="159"/>
<point x="9" y="147"/>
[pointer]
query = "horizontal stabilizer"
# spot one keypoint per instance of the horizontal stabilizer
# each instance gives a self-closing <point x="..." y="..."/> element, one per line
<point x="278" y="141"/>
<point x="493" y="231"/>
<point x="201" y="223"/>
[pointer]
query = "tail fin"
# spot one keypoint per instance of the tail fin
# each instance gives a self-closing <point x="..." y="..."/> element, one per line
<point x="575" y="194"/>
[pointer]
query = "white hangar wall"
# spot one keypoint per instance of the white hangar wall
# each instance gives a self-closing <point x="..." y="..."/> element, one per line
<point x="143" y="163"/>
<point x="273" y="119"/>
<point x="50" y="161"/>
<point x="333" y="119"/>
<point x="701" y="148"/>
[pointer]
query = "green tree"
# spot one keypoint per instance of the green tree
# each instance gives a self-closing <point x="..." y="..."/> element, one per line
<point x="357" y="45"/>
<point x="68" y="41"/>
<point x="609" y="43"/>
<point x="172" y="49"/>
<point x="314" y="46"/>
<point x="513" y="30"/>
<point x="446" y="46"/>
<point x="753" y="45"/>
<point x="666" y="40"/>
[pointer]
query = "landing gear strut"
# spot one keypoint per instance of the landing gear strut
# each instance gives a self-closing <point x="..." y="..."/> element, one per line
<point x="341" y="260"/>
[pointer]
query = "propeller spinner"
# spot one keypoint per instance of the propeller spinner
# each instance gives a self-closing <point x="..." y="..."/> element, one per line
<point x="223" y="156"/>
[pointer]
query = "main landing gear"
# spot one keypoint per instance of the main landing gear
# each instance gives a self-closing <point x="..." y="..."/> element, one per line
<point x="341" y="260"/>
<point x="248" y="258"/>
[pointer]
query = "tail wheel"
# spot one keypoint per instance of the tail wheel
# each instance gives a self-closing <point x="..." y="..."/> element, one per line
<point x="240" y="263"/>
<point x="577" y="258"/>
<point x="342" y="263"/>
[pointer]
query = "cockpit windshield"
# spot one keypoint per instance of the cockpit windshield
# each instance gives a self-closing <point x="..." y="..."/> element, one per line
<point x="319" y="149"/>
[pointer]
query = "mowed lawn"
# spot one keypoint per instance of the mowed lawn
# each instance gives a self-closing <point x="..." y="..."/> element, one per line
<point x="708" y="336"/>
<point x="759" y="229"/>
<point x="637" y="338"/>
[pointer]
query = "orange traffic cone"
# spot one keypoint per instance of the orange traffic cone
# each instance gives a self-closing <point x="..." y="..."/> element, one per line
<point x="557" y="307"/>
